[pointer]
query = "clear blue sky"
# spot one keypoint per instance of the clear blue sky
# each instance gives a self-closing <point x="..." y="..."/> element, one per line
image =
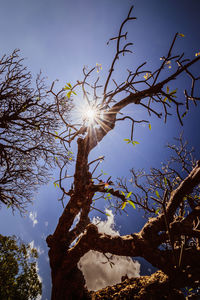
<point x="59" y="38"/>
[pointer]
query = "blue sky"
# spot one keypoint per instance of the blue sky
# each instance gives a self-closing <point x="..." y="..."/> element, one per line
<point x="59" y="38"/>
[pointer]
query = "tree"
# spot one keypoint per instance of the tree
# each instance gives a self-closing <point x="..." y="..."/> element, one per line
<point x="18" y="270"/>
<point x="170" y="238"/>
<point x="28" y="125"/>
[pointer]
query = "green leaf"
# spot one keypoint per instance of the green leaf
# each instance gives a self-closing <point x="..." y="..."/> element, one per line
<point x="147" y="75"/>
<point x="131" y="203"/>
<point x="165" y="181"/>
<point x="127" y="140"/>
<point x="122" y="193"/>
<point x="173" y="92"/>
<point x="184" y="114"/>
<point x="181" y="34"/>
<point x="124" y="205"/>
<point x="66" y="88"/>
<point x="74" y="93"/>
<point x="149" y="126"/>
<point x="69" y="94"/>
<point x="56" y="134"/>
<point x="107" y="215"/>
<point x="56" y="184"/>
<point x="157" y="194"/>
<point x="135" y="143"/>
<point x="69" y="84"/>
<point x="128" y="195"/>
<point x="167" y="90"/>
<point x="157" y="211"/>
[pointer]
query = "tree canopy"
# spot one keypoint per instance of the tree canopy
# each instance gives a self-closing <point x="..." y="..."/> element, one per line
<point x="29" y="121"/>
<point x="18" y="270"/>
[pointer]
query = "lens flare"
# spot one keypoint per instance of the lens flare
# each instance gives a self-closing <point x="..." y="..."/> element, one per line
<point x="89" y="115"/>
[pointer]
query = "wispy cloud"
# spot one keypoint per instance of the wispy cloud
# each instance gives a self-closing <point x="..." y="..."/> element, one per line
<point x="97" y="270"/>
<point x="33" y="217"/>
<point x="40" y="251"/>
<point x="38" y="248"/>
<point x="39" y="297"/>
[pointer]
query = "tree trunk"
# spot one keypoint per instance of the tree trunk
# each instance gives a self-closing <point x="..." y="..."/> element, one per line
<point x="68" y="286"/>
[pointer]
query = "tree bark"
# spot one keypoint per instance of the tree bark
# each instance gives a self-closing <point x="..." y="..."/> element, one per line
<point x="67" y="286"/>
<point x="154" y="287"/>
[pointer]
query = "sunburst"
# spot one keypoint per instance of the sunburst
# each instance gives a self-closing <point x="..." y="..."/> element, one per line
<point x="93" y="116"/>
<point x="89" y="115"/>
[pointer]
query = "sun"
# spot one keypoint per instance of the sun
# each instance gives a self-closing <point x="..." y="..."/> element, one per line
<point x="89" y="114"/>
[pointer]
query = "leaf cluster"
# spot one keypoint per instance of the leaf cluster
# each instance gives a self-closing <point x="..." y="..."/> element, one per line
<point x="18" y="270"/>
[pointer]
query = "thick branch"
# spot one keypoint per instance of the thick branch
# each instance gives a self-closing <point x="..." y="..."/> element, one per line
<point x="185" y="188"/>
<point x="93" y="240"/>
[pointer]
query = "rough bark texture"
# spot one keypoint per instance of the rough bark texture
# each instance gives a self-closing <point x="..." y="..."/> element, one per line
<point x="154" y="287"/>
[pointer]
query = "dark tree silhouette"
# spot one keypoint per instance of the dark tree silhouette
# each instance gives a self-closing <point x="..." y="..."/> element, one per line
<point x="28" y="124"/>
<point x="170" y="238"/>
<point x="18" y="270"/>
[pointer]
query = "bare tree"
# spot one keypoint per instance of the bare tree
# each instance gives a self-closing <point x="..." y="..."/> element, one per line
<point x="28" y="125"/>
<point x="169" y="239"/>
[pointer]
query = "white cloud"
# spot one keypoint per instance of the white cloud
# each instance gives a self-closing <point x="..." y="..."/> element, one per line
<point x="107" y="226"/>
<point x="39" y="297"/>
<point x="31" y="244"/>
<point x="40" y="251"/>
<point x="43" y="236"/>
<point x="46" y="223"/>
<point x="38" y="248"/>
<point x="33" y="217"/>
<point x="96" y="269"/>
<point x="37" y="269"/>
